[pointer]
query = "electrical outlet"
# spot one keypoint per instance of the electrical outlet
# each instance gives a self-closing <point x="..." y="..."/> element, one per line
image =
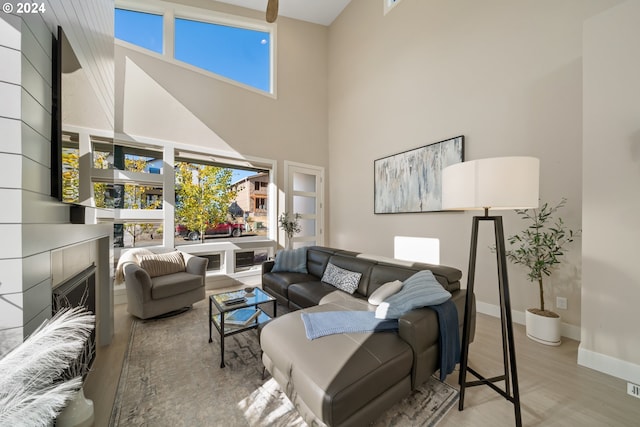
<point x="633" y="390"/>
<point x="561" y="303"/>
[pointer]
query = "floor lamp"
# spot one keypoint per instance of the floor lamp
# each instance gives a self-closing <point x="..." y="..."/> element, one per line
<point x="497" y="183"/>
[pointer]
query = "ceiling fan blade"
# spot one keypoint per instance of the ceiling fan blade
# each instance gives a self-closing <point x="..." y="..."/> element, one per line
<point x="272" y="11"/>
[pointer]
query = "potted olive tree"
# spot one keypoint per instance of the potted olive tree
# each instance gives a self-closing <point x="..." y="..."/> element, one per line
<point x="540" y="247"/>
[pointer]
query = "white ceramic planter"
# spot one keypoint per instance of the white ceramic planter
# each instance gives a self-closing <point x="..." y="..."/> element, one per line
<point x="545" y="330"/>
<point x="78" y="413"/>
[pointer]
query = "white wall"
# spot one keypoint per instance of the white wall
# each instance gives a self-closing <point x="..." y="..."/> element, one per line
<point x="32" y="224"/>
<point x="507" y="75"/>
<point x="611" y="173"/>
<point x="89" y="28"/>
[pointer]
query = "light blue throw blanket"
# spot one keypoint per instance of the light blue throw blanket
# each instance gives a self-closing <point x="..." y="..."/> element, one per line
<point x="319" y="324"/>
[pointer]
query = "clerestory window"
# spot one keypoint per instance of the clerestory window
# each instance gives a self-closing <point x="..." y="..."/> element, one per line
<point x="140" y="28"/>
<point x="235" y="49"/>
<point x="240" y="54"/>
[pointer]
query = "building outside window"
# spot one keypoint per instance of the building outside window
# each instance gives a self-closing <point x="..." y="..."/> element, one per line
<point x="252" y="194"/>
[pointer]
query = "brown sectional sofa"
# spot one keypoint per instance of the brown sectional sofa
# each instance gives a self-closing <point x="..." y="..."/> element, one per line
<point x="349" y="379"/>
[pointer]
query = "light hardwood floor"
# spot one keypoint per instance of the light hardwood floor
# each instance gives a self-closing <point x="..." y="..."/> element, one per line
<point x="554" y="390"/>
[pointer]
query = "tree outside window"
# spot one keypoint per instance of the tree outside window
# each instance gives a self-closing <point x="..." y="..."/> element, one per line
<point x="203" y="196"/>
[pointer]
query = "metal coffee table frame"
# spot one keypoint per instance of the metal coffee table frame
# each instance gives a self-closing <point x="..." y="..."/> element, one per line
<point x="253" y="300"/>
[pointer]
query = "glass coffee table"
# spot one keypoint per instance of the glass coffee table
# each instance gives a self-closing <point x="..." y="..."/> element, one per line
<point x="238" y="311"/>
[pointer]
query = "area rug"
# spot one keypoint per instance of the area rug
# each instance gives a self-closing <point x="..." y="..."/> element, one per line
<point x="171" y="376"/>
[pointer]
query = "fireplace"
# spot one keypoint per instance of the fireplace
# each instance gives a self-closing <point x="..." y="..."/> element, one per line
<point x="80" y="290"/>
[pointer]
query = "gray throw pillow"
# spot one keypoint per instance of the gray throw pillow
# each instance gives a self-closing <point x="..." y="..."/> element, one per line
<point x="420" y="290"/>
<point x="342" y="279"/>
<point x="292" y="261"/>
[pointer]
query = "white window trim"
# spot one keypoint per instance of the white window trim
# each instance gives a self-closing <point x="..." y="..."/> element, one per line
<point x="170" y="11"/>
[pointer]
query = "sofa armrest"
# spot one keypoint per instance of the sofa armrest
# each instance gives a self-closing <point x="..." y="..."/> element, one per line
<point x="195" y="264"/>
<point x="420" y="329"/>
<point x="138" y="283"/>
<point x="267" y="266"/>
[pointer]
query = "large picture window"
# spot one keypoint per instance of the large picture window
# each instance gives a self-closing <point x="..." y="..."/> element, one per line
<point x="214" y="200"/>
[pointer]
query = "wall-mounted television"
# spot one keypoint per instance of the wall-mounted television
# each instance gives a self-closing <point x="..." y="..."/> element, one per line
<point x="65" y="180"/>
<point x="56" y="115"/>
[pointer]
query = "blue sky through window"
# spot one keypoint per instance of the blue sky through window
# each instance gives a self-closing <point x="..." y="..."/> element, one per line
<point x="239" y="174"/>
<point x="139" y="28"/>
<point x="240" y="54"/>
<point x="237" y="53"/>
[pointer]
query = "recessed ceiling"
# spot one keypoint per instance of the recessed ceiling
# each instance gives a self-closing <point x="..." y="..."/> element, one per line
<point x="317" y="11"/>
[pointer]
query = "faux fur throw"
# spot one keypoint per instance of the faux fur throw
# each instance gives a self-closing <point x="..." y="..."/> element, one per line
<point x="131" y="256"/>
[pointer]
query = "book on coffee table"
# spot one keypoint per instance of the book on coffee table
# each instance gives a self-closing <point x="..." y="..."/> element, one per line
<point x="241" y="316"/>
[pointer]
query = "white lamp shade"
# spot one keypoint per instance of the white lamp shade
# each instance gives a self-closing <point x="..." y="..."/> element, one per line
<point x="496" y="183"/>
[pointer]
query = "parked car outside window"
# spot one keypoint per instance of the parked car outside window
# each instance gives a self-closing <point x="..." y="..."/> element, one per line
<point x="224" y="228"/>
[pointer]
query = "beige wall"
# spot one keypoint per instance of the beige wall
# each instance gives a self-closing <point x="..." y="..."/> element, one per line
<point x="611" y="173"/>
<point x="168" y="102"/>
<point x="507" y="75"/>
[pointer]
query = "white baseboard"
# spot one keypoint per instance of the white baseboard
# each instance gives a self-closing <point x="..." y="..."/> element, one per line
<point x="566" y="330"/>
<point x="609" y="365"/>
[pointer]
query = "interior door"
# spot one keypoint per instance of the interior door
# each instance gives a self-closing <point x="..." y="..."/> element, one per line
<point x="304" y="195"/>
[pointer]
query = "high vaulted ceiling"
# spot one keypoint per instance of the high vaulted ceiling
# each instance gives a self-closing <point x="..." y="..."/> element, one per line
<point x="317" y="11"/>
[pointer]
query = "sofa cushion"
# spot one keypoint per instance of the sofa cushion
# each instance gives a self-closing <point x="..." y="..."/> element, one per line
<point x="162" y="264"/>
<point x="448" y="277"/>
<point x="308" y="294"/>
<point x="317" y="259"/>
<point x="358" y="265"/>
<point x="384" y="291"/>
<point x="174" y="284"/>
<point x="419" y="290"/>
<point x="342" y="279"/>
<point x="278" y="283"/>
<point x="293" y="261"/>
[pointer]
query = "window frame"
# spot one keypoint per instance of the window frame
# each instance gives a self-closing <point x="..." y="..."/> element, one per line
<point x="171" y="11"/>
<point x="173" y="151"/>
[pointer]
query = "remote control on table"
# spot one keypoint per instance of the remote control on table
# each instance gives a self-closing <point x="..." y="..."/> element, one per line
<point x="235" y="301"/>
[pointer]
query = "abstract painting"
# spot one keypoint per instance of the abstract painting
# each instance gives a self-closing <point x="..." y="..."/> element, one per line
<point x="412" y="181"/>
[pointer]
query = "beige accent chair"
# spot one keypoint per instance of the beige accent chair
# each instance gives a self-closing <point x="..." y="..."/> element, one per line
<point x="160" y="283"/>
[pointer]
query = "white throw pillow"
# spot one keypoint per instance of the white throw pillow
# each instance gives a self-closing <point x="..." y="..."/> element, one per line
<point x="384" y="291"/>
